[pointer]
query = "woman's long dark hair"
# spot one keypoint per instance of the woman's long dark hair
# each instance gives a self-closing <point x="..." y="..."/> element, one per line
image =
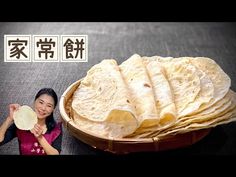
<point x="50" y="121"/>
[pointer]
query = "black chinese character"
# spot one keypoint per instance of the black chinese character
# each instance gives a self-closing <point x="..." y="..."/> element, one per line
<point x="46" y="47"/>
<point x="70" y="48"/>
<point x="16" y="51"/>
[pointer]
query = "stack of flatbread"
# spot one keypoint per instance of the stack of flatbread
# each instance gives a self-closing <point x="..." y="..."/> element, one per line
<point x="146" y="97"/>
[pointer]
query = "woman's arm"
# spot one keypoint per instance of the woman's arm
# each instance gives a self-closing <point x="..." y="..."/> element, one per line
<point x="46" y="146"/>
<point x="8" y="121"/>
<point x="3" y="128"/>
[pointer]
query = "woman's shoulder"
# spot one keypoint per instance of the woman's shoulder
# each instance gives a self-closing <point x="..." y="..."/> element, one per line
<point x="56" y="131"/>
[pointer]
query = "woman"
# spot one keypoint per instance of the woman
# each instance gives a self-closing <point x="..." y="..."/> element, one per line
<point x="46" y="136"/>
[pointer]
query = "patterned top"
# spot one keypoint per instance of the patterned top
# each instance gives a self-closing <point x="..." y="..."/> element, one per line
<point x="29" y="145"/>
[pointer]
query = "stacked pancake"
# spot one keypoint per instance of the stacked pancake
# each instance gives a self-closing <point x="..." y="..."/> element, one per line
<point x="146" y="97"/>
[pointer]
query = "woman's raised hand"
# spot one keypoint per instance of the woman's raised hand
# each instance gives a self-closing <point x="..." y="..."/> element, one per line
<point x="12" y="108"/>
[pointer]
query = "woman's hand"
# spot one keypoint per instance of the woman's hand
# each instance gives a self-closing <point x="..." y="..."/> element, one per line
<point x="12" y="109"/>
<point x="37" y="130"/>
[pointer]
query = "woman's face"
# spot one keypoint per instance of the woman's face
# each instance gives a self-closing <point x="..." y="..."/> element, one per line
<point x="44" y="106"/>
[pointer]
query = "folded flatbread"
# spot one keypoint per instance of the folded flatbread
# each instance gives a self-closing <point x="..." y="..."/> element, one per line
<point x="140" y="87"/>
<point x="104" y="99"/>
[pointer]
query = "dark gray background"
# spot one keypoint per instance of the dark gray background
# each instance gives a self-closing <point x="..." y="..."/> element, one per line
<point x="21" y="81"/>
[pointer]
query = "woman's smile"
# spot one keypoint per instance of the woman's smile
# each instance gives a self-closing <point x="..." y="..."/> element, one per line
<point x="44" y="106"/>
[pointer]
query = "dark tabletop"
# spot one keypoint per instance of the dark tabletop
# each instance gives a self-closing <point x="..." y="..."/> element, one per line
<point x="21" y="81"/>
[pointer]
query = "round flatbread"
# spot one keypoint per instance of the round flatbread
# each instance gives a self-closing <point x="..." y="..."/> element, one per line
<point x="25" y="118"/>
